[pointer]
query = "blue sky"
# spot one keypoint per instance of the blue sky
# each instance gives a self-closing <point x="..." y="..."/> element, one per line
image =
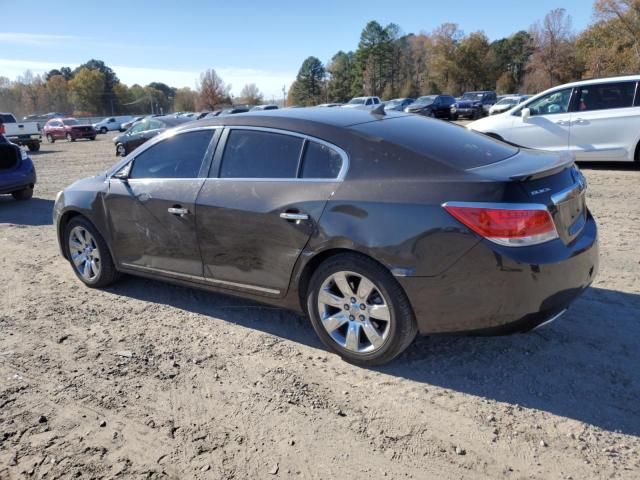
<point x="262" y="42"/>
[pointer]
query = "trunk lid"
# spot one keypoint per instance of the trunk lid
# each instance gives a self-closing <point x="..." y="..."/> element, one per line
<point x="550" y="179"/>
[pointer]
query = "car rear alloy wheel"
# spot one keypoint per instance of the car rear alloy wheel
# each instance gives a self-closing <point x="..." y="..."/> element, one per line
<point x="354" y="312"/>
<point x="103" y="130"/>
<point x="50" y="138"/>
<point x="88" y="254"/>
<point x="359" y="310"/>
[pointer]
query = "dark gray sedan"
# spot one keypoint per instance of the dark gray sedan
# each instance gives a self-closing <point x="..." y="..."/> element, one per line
<point x="378" y="226"/>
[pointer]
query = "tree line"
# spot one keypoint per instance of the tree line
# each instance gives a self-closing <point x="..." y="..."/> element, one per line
<point x="386" y="63"/>
<point x="390" y="64"/>
<point x="93" y="88"/>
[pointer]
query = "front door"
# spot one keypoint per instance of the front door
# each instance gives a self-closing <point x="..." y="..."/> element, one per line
<point x="152" y="211"/>
<point x="548" y="124"/>
<point x="256" y="217"/>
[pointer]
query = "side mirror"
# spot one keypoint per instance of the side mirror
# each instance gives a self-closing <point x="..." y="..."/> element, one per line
<point x="123" y="173"/>
<point x="525" y="114"/>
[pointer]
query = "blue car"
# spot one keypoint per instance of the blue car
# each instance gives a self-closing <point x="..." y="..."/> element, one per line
<point x="17" y="173"/>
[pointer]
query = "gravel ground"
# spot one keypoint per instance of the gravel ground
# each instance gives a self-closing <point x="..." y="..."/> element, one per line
<point x="148" y="380"/>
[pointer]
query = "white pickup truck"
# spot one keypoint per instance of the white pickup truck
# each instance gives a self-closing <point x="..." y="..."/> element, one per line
<point x="21" y="133"/>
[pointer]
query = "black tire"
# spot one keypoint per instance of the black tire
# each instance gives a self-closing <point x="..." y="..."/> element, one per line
<point x="103" y="130"/>
<point x="24" y="194"/>
<point x="50" y="139"/>
<point x="107" y="273"/>
<point x="402" y="327"/>
<point x="70" y="138"/>
<point x="454" y="117"/>
<point x="476" y="114"/>
<point x="34" y="147"/>
<point x="92" y="138"/>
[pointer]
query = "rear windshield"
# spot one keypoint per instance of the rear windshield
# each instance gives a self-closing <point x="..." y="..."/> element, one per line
<point x="7" y="118"/>
<point x="438" y="140"/>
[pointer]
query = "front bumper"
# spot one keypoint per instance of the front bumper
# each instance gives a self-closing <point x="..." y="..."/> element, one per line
<point x="463" y="111"/>
<point x="494" y="289"/>
<point x="88" y="134"/>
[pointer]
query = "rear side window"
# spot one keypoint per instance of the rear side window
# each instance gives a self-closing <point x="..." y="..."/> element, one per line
<point x="439" y="141"/>
<point x="179" y="156"/>
<point x="606" y="96"/>
<point x="320" y="161"/>
<point x="256" y="154"/>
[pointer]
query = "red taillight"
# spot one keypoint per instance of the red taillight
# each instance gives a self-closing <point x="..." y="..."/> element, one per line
<point x="512" y="225"/>
<point x="2" y="130"/>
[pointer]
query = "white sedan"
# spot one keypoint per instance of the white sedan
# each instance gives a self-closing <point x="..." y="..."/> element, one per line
<point x="597" y="120"/>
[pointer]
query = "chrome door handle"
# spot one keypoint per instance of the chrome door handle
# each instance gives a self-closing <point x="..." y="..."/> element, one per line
<point x="178" y="211"/>
<point x="563" y="122"/>
<point x="294" y="216"/>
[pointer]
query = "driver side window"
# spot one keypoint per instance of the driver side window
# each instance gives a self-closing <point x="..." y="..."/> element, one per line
<point x="552" y="103"/>
<point x="139" y="127"/>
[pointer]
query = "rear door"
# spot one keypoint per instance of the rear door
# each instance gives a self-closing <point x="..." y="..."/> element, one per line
<point x="262" y="202"/>
<point x="548" y="126"/>
<point x="604" y="123"/>
<point x="152" y="212"/>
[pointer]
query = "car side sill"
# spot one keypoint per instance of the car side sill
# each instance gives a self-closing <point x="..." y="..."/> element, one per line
<point x="199" y="279"/>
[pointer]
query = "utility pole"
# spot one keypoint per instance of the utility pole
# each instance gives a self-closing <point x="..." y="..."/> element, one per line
<point x="284" y="95"/>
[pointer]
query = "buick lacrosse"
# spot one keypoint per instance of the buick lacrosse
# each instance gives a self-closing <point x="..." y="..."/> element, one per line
<point x="376" y="225"/>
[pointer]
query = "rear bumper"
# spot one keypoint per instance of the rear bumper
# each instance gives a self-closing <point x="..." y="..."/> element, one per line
<point x="16" y="180"/>
<point x="25" y="140"/>
<point x="496" y="290"/>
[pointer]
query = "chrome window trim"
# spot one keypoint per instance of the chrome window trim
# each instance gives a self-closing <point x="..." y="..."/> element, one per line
<point x="150" y="143"/>
<point x="339" y="178"/>
<point x="213" y="281"/>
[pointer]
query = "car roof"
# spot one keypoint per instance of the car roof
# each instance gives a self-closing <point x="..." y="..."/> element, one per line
<point x="171" y="120"/>
<point x="591" y="81"/>
<point x="300" y="119"/>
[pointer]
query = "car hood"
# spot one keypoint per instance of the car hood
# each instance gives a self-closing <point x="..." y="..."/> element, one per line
<point x="468" y="103"/>
<point x="418" y="106"/>
<point x="494" y="122"/>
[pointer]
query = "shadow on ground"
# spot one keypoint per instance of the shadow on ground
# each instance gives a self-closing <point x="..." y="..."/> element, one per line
<point x="585" y="366"/>
<point x="34" y="212"/>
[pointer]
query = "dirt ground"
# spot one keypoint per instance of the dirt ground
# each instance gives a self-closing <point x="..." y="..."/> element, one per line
<point x="148" y="380"/>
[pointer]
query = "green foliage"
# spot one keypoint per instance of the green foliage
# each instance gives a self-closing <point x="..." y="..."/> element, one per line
<point x="86" y="90"/>
<point x="309" y="86"/>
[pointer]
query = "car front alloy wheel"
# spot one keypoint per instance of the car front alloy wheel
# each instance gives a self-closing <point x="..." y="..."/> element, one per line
<point x="88" y="254"/>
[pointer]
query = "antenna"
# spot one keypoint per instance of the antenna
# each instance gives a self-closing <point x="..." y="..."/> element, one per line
<point x="378" y="110"/>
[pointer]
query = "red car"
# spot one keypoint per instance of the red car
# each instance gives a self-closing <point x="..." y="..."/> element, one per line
<point x="69" y="128"/>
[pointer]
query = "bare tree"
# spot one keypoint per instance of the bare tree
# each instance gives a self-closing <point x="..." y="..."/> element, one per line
<point x="251" y="95"/>
<point x="554" y="59"/>
<point x="212" y="91"/>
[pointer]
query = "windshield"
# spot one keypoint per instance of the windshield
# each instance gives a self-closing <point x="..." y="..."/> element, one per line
<point x="472" y="96"/>
<point x="357" y="101"/>
<point x="393" y="103"/>
<point x="70" y="121"/>
<point x="426" y="100"/>
<point x="509" y="101"/>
